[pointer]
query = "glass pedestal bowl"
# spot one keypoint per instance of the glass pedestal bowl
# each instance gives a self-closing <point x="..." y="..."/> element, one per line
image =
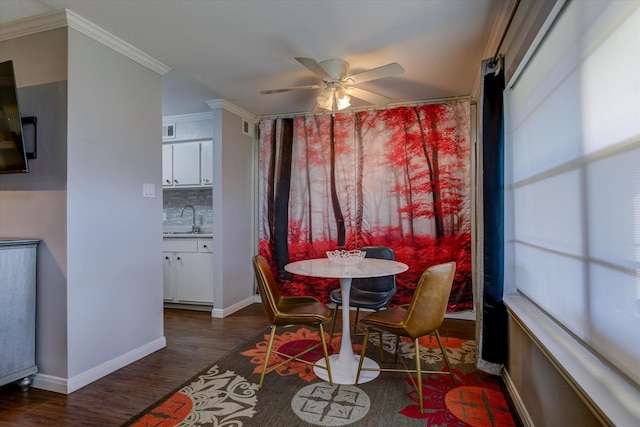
<point x="343" y="257"/>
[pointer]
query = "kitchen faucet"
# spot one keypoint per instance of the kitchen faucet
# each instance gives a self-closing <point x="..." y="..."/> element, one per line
<point x="194" y="227"/>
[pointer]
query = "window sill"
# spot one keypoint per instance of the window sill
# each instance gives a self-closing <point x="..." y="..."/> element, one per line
<point x="615" y="396"/>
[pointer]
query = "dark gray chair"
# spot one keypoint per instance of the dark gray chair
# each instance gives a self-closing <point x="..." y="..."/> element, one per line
<point x="371" y="293"/>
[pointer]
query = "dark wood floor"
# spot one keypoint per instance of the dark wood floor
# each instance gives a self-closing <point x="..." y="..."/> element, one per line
<point x="194" y="341"/>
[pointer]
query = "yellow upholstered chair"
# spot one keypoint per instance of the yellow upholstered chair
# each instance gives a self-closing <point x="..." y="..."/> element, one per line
<point x="284" y="311"/>
<point x="423" y="316"/>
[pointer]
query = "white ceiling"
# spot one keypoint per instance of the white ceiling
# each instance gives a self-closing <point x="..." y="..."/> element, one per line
<point x="233" y="49"/>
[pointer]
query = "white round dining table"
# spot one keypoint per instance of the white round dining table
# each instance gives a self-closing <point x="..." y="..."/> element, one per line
<point x="344" y="365"/>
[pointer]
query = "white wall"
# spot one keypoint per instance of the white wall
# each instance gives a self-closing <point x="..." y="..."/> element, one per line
<point x="33" y="205"/>
<point x="99" y="271"/>
<point x="114" y="238"/>
<point x="232" y="214"/>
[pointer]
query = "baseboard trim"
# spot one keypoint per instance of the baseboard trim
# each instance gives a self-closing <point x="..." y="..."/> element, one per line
<point x="50" y="383"/>
<point x="219" y="313"/>
<point x="517" y="401"/>
<point x="68" y="386"/>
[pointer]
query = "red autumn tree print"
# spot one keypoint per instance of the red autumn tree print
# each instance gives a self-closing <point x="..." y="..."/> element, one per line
<point x="397" y="177"/>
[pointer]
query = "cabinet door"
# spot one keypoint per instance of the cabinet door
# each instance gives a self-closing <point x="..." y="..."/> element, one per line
<point x="167" y="276"/>
<point x="194" y="277"/>
<point x="186" y="164"/>
<point x="206" y="162"/>
<point x="167" y="165"/>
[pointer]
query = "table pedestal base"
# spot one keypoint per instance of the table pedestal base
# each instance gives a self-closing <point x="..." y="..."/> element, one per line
<point x="343" y="373"/>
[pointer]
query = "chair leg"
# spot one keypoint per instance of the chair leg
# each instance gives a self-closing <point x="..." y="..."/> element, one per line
<point x="419" y="374"/>
<point x="326" y="353"/>
<point x="395" y="357"/>
<point x="333" y="321"/>
<point x="446" y="357"/>
<point x="266" y="357"/>
<point x="362" y="353"/>
<point x="355" y="323"/>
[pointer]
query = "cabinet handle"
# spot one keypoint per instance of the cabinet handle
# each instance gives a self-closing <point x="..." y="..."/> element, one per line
<point x="204" y="246"/>
<point x="175" y="181"/>
<point x="167" y="258"/>
<point x="178" y="258"/>
<point x="168" y="181"/>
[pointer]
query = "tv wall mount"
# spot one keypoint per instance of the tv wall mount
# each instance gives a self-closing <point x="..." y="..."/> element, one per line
<point x="32" y="120"/>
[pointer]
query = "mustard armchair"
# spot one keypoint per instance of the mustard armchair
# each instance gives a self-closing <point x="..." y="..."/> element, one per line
<point x="284" y="311"/>
<point x="423" y="316"/>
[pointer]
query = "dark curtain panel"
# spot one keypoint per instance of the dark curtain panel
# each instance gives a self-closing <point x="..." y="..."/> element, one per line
<point x="281" y="205"/>
<point x="492" y="350"/>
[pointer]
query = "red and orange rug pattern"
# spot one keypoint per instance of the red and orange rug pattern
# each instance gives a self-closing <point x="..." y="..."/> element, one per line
<point x="227" y="394"/>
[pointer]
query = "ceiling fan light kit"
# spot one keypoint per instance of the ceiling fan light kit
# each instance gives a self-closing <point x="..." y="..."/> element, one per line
<point x="338" y="88"/>
<point x="334" y="98"/>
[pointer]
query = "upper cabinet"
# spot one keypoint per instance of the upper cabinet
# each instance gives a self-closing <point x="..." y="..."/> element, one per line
<point x="206" y="162"/>
<point x="187" y="164"/>
<point x="187" y="150"/>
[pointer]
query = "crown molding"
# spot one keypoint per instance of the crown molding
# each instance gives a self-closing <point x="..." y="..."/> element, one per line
<point x="186" y="118"/>
<point x="33" y="24"/>
<point x="66" y="18"/>
<point x="226" y="105"/>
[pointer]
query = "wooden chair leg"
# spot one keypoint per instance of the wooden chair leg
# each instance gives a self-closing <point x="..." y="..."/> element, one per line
<point x="266" y="357"/>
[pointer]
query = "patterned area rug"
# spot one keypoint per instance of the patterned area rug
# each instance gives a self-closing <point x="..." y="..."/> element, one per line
<point x="227" y="394"/>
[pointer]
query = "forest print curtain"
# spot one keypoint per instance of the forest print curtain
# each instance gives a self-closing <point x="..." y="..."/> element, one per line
<point x="397" y="177"/>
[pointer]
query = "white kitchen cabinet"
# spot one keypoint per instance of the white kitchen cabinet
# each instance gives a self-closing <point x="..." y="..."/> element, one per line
<point x="167" y="165"/>
<point x="188" y="270"/>
<point x="187" y="164"/>
<point x="206" y="162"/>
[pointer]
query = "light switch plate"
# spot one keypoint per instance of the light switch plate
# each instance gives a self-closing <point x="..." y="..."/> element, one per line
<point x="148" y="190"/>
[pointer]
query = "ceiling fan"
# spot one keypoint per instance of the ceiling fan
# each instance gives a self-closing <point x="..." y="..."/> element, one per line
<point x="338" y="87"/>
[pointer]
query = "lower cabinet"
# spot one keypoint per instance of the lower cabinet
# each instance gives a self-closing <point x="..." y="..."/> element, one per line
<point x="188" y="271"/>
<point x="18" y="311"/>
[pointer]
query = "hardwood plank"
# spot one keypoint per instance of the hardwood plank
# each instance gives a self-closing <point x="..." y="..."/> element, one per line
<point x="195" y="340"/>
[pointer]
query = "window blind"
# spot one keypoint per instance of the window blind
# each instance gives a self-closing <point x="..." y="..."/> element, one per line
<point x="573" y="172"/>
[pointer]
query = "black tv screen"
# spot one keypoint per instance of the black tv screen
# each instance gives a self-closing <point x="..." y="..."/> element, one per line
<point x="13" y="156"/>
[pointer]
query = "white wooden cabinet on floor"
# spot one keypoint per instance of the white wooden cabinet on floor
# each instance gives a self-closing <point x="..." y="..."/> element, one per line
<point x="18" y="311"/>
<point x="188" y="270"/>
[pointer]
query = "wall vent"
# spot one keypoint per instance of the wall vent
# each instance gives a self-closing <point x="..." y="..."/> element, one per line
<point x="247" y="128"/>
<point x="169" y="131"/>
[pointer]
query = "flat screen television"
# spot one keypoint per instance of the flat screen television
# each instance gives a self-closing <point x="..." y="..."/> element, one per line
<point x="13" y="156"/>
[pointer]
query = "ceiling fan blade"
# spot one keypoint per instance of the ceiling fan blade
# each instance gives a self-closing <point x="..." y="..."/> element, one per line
<point x="305" y="87"/>
<point x="316" y="109"/>
<point x="368" y="96"/>
<point x="313" y="65"/>
<point x="388" y="70"/>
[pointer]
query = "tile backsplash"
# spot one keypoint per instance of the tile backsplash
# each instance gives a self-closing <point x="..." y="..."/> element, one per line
<point x="173" y="200"/>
